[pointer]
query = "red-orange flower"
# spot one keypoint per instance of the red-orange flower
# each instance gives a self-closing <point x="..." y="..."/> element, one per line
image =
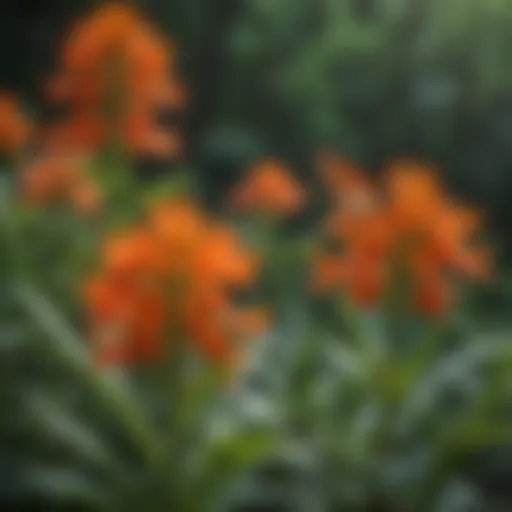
<point x="143" y="136"/>
<point x="182" y="263"/>
<point x="414" y="223"/>
<point x="330" y="272"/>
<point x="346" y="183"/>
<point x="269" y="188"/>
<point x="104" y="30"/>
<point x="127" y="321"/>
<point x="14" y="125"/>
<point x="180" y="224"/>
<point x="85" y="196"/>
<point x="60" y="179"/>
<point x="132" y="254"/>
<point x="115" y="59"/>
<point x="353" y="197"/>
<point x="222" y="260"/>
<point x="415" y="195"/>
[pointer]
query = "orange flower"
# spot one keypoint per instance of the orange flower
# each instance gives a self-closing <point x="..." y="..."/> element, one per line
<point x="104" y="30"/>
<point x="86" y="197"/>
<point x="183" y="264"/>
<point x="180" y="226"/>
<point x="148" y="56"/>
<point x="142" y="136"/>
<point x="14" y="126"/>
<point x="132" y="254"/>
<point x="450" y="235"/>
<point x="415" y="222"/>
<point x="47" y="177"/>
<point x="220" y="260"/>
<point x="346" y="184"/>
<point x="359" y="222"/>
<point x="367" y="281"/>
<point x="57" y="178"/>
<point x="127" y="322"/>
<point x="433" y="294"/>
<point x="356" y="209"/>
<point x="38" y="185"/>
<point x="416" y="196"/>
<point x="202" y="314"/>
<point x="441" y="230"/>
<point x="329" y="272"/>
<point x="83" y="132"/>
<point x="214" y="323"/>
<point x="115" y="59"/>
<point x="269" y="188"/>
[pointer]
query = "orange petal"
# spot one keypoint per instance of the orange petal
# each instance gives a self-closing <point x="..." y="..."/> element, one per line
<point x="433" y="295"/>
<point x="269" y="188"/>
<point x="329" y="273"/>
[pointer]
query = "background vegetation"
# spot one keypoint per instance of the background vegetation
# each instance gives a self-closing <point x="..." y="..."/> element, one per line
<point x="372" y="80"/>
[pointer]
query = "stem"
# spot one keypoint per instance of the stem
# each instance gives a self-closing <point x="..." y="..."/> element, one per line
<point x="16" y="261"/>
<point x="173" y="381"/>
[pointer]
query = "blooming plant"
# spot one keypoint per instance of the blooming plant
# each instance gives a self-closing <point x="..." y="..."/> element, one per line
<point x="116" y="74"/>
<point x="147" y="324"/>
<point x="132" y="292"/>
<point x="391" y="393"/>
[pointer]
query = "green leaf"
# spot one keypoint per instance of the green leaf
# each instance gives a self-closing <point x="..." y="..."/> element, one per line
<point x="69" y="484"/>
<point x="229" y="457"/>
<point x="70" y="349"/>
<point x="56" y="423"/>
<point x="453" y="368"/>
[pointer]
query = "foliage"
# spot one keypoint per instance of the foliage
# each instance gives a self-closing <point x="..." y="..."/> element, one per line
<point x="135" y="373"/>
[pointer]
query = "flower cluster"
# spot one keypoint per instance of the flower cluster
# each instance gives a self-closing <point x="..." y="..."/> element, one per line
<point x="117" y="74"/>
<point x="60" y="179"/>
<point x="269" y="188"/>
<point x="170" y="279"/>
<point x="411" y="223"/>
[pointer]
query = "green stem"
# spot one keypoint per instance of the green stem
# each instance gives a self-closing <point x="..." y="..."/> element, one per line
<point x="9" y="228"/>
<point x="173" y="382"/>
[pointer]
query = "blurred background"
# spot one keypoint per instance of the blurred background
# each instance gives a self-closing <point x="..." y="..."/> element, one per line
<point x="371" y="79"/>
<point x="279" y="77"/>
<point x="374" y="79"/>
